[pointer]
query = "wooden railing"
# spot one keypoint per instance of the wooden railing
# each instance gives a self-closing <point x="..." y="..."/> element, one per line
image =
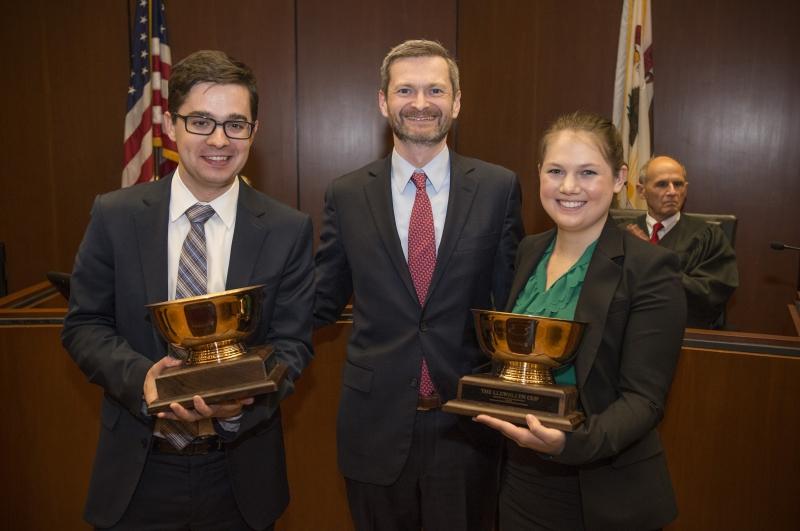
<point x="731" y="431"/>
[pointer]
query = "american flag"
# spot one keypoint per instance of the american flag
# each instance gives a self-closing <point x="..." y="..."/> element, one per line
<point x="148" y="153"/>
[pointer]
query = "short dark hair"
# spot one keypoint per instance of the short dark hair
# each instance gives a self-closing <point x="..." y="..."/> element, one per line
<point x="601" y="129"/>
<point x="419" y="48"/>
<point x="209" y="66"/>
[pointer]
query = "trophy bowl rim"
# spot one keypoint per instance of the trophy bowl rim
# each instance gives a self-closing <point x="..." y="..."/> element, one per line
<point x="544" y="356"/>
<point x="205" y="297"/>
<point x="478" y="312"/>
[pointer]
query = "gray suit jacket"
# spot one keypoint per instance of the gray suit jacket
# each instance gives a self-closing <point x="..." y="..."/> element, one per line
<point x="360" y="254"/>
<point x="121" y="266"/>
<point x="635" y="310"/>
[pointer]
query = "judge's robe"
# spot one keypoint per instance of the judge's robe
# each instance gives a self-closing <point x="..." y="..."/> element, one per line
<point x="708" y="263"/>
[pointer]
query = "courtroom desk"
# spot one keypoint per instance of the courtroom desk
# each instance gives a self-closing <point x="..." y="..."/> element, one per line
<point x="51" y="416"/>
<point x="732" y="432"/>
<point x="318" y="498"/>
<point x="49" y="413"/>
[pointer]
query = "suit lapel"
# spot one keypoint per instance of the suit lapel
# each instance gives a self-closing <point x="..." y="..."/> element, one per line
<point x="526" y="265"/>
<point x="248" y="237"/>
<point x="599" y="286"/>
<point x="463" y="185"/>
<point x="379" y="200"/>
<point x="151" y="224"/>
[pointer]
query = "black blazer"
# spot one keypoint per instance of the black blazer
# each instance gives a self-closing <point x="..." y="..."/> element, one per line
<point x="360" y="254"/>
<point x="121" y="266"/>
<point x="635" y="309"/>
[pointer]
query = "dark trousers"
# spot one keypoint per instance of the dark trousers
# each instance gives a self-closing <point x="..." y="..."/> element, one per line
<point x="183" y="493"/>
<point x="447" y="484"/>
<point x="537" y="494"/>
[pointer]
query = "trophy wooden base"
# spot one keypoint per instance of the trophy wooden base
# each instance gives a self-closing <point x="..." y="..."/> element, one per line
<point x="553" y="405"/>
<point x="217" y="382"/>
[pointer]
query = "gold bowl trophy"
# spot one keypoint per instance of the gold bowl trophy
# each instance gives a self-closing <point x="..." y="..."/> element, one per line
<point x="527" y="348"/>
<point x="207" y="333"/>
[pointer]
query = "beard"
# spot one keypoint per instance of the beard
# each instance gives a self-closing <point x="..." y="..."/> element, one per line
<point x="402" y="131"/>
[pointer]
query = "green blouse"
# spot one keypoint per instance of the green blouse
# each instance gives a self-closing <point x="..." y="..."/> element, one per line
<point x="559" y="301"/>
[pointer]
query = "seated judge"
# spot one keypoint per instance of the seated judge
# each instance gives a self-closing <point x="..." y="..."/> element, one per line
<point x="708" y="262"/>
<point x="610" y="473"/>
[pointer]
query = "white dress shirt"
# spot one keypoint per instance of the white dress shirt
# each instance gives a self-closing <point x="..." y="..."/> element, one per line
<point x="404" y="192"/>
<point x="219" y="237"/>
<point x="667" y="224"/>
<point x="218" y="229"/>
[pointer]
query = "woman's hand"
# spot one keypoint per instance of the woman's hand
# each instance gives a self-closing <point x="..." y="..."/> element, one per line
<point x="536" y="436"/>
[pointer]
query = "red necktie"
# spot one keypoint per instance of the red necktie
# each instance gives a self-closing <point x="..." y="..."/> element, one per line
<point x="654" y="235"/>
<point x="422" y="258"/>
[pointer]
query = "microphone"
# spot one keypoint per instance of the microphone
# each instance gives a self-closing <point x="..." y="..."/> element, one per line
<point x="780" y="246"/>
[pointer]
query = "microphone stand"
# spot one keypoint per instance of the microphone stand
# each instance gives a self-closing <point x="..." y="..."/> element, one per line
<point x="780" y="246"/>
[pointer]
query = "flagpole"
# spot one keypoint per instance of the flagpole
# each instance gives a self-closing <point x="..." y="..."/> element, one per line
<point x="156" y="149"/>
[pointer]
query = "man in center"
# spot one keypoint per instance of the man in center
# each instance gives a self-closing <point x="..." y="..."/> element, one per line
<point x="417" y="239"/>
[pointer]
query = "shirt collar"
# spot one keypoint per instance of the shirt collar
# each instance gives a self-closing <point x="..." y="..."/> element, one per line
<point x="666" y="224"/>
<point x="437" y="170"/>
<point x="181" y="198"/>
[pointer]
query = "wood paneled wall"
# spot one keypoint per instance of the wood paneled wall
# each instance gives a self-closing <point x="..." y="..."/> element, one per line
<point x="726" y="105"/>
<point x="64" y="77"/>
<point x="261" y="34"/>
<point x="726" y="78"/>
<point x="523" y="64"/>
<point x="340" y="46"/>
<point x="727" y="81"/>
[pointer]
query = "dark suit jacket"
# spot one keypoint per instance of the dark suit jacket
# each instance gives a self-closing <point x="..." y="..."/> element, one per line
<point x="121" y="266"/>
<point x="708" y="263"/>
<point x="360" y="254"/>
<point x="635" y="312"/>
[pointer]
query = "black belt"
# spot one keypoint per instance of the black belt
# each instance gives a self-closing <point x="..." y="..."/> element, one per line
<point x="425" y="403"/>
<point x="198" y="447"/>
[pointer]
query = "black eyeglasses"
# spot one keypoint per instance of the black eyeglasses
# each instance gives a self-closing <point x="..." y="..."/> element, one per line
<point x="203" y="125"/>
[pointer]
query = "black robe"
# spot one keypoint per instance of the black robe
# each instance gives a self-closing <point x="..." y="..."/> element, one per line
<point x="709" y="268"/>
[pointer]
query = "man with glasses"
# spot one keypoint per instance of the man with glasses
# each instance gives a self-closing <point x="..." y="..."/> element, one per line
<point x="232" y="474"/>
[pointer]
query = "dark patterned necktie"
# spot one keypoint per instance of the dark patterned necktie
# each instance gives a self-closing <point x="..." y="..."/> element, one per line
<point x="192" y="281"/>
<point x="654" y="235"/>
<point x="422" y="258"/>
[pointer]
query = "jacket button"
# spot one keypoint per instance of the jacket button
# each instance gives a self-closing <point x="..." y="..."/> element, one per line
<point x="413" y="382"/>
<point x="423" y="326"/>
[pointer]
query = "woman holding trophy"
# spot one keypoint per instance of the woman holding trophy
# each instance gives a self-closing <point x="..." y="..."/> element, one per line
<point x="610" y="472"/>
